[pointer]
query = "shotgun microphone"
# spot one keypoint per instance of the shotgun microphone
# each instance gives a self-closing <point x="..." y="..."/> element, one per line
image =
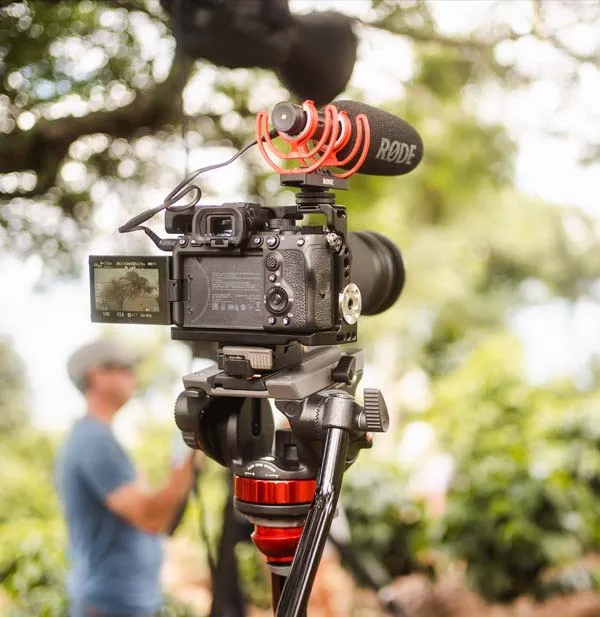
<point x="395" y="148"/>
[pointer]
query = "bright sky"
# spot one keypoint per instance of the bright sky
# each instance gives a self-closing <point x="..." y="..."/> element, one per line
<point x="47" y="327"/>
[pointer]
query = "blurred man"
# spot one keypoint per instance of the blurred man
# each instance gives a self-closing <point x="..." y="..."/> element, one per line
<point x="114" y="522"/>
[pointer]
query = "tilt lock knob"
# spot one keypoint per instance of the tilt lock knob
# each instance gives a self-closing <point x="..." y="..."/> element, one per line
<point x="374" y="418"/>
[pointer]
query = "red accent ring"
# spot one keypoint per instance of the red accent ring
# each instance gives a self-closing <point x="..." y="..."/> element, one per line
<point x="274" y="491"/>
<point x="277" y="544"/>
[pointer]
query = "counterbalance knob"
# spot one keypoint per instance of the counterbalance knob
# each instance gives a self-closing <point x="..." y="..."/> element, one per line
<point x="375" y="418"/>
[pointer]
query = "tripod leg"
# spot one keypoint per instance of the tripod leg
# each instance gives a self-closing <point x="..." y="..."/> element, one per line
<point x="294" y="598"/>
<point x="277" y="583"/>
<point x="228" y="600"/>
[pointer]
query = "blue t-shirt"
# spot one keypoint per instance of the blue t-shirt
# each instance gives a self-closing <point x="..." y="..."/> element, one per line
<point x="114" y="566"/>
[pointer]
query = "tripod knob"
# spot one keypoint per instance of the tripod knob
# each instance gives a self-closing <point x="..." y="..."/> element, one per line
<point x="188" y="408"/>
<point x="375" y="418"/>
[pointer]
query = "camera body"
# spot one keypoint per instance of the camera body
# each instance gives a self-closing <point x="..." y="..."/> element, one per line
<point x="245" y="273"/>
<point x="240" y="272"/>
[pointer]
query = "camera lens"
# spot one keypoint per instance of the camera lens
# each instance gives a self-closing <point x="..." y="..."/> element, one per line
<point x="220" y="226"/>
<point x="277" y="300"/>
<point x="377" y="269"/>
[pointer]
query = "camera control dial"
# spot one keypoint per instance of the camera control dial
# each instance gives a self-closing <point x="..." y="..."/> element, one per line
<point x="277" y="300"/>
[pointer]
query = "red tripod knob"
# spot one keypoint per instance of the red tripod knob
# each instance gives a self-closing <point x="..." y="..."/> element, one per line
<point x="274" y="500"/>
<point x="277" y="544"/>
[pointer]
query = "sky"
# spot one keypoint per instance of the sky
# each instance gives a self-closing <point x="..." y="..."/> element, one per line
<point x="47" y="327"/>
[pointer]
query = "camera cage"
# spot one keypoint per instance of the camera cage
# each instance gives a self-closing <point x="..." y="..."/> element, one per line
<point x="313" y="198"/>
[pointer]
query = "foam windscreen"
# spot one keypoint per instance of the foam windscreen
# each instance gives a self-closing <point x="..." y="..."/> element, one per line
<point x="395" y="149"/>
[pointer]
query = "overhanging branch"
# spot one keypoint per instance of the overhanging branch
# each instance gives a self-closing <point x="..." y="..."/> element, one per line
<point x="43" y="148"/>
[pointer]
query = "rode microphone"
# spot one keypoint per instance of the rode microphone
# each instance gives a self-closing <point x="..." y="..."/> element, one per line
<point x="395" y="148"/>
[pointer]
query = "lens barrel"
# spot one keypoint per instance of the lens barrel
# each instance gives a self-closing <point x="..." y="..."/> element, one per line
<point x="377" y="269"/>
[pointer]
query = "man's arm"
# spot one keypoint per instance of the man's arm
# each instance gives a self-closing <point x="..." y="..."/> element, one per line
<point x="110" y="475"/>
<point x="153" y="512"/>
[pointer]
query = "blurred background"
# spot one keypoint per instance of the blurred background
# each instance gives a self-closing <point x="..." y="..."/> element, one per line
<point x="482" y="498"/>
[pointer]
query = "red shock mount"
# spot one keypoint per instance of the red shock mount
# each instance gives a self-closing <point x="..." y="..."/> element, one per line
<point x="320" y="144"/>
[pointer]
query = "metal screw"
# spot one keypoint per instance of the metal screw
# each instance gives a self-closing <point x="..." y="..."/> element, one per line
<point x="300" y="242"/>
<point x="292" y="409"/>
<point x="334" y="241"/>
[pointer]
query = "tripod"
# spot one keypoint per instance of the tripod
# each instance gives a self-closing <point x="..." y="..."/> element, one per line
<point x="288" y="492"/>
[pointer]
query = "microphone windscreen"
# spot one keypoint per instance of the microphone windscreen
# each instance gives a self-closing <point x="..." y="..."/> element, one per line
<point x="395" y="149"/>
<point x="321" y="58"/>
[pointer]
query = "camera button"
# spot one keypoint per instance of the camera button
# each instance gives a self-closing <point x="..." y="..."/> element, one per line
<point x="272" y="321"/>
<point x="272" y="278"/>
<point x="286" y="321"/>
<point x="272" y="262"/>
<point x="272" y="241"/>
<point x="257" y="241"/>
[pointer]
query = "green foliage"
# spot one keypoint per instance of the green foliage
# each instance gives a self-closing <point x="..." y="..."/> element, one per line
<point x="386" y="525"/>
<point x="514" y="510"/>
<point x="32" y="568"/>
<point x="445" y="73"/>
<point x="172" y="607"/>
<point x="27" y="485"/>
<point x="153" y="451"/>
<point x="510" y="527"/>
<point x="14" y="403"/>
<point x="31" y="531"/>
<point x="576" y="442"/>
<point x="254" y="575"/>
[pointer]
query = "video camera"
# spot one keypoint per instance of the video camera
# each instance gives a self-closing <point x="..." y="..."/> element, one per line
<point x="249" y="274"/>
<point x="278" y="288"/>
<point x="252" y="274"/>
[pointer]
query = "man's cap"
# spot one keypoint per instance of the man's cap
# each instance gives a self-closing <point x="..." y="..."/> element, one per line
<point x="103" y="352"/>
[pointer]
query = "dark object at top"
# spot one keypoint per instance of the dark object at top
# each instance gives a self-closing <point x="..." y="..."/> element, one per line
<point x="313" y="55"/>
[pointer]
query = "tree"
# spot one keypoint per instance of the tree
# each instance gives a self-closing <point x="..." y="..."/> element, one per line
<point x="116" y="292"/>
<point x="85" y="88"/>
